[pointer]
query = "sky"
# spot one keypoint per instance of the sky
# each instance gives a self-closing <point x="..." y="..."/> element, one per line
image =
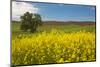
<point x="54" y="12"/>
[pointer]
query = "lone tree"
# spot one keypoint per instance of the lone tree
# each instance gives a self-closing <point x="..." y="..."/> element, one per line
<point x="30" y="21"/>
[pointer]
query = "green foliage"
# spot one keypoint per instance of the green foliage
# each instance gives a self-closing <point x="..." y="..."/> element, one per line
<point x="30" y="21"/>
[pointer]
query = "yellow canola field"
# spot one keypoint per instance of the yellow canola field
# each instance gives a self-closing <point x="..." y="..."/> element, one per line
<point x="54" y="47"/>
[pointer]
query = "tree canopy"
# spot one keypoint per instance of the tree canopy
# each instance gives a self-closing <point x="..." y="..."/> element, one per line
<point x="30" y="21"/>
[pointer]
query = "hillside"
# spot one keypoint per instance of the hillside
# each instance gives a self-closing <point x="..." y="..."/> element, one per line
<point x="67" y="23"/>
<point x="83" y="23"/>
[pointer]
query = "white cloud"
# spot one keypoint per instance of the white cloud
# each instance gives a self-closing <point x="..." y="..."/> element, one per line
<point x="19" y="8"/>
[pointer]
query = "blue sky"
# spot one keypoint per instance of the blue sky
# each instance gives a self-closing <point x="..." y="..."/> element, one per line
<point x="56" y="12"/>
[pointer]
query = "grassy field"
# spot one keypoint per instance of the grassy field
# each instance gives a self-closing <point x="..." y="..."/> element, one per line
<point x="66" y="28"/>
<point x="53" y="44"/>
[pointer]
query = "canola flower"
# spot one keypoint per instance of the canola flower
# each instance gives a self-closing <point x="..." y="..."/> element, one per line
<point x="54" y="47"/>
